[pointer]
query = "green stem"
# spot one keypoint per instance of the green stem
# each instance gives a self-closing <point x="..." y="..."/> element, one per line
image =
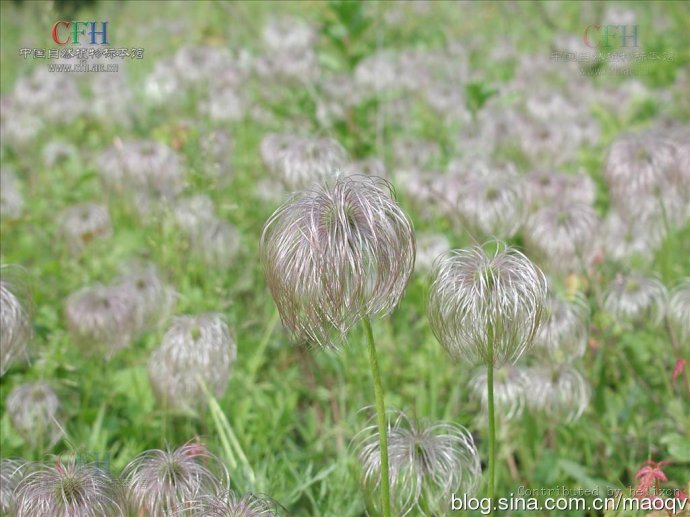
<point x="381" y="417"/>
<point x="492" y="432"/>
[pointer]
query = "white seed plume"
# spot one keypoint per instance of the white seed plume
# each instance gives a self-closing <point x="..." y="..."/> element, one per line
<point x="194" y="349"/>
<point x="636" y="299"/>
<point x="160" y="482"/>
<point x="430" y="246"/>
<point x="427" y="462"/>
<point x="33" y="409"/>
<point x="101" y="319"/>
<point x="559" y="391"/>
<point x="335" y="254"/>
<point x="565" y="329"/>
<point x="510" y="385"/>
<point x="11" y="473"/>
<point x="492" y="203"/>
<point x="69" y="490"/>
<point x="16" y="330"/>
<point x="152" y="297"/>
<point x="80" y="224"/>
<point x="679" y="311"/>
<point x="230" y="504"/>
<point x="306" y="161"/>
<point x="562" y="234"/>
<point x="486" y="307"/>
<point x="11" y="198"/>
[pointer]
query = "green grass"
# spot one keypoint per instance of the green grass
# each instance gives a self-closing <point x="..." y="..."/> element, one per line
<point x="285" y="423"/>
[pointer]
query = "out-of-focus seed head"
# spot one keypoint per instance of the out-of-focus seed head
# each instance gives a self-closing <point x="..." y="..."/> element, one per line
<point x="427" y="462"/>
<point x="82" y="223"/>
<point x="637" y="166"/>
<point x="625" y="239"/>
<point x="57" y="152"/>
<point x="559" y="391"/>
<point x="368" y="167"/>
<point x="101" y="319"/>
<point x="562" y="234"/>
<point x="217" y="244"/>
<point x="492" y="203"/>
<point x="335" y="254"/>
<point x="545" y="188"/>
<point x="564" y="332"/>
<point x="161" y="482"/>
<point x="69" y="490"/>
<point x="11" y="473"/>
<point x="307" y="161"/>
<point x="510" y="383"/>
<point x="636" y="299"/>
<point x="194" y="349"/>
<point x="152" y="297"/>
<point x="217" y="147"/>
<point x="430" y="246"/>
<point x="230" y="504"/>
<point x="33" y="409"/>
<point x="486" y="308"/>
<point x="679" y="311"/>
<point x="11" y="198"/>
<point x="16" y="330"/>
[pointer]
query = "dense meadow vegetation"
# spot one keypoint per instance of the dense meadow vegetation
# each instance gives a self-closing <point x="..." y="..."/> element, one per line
<point x="148" y="306"/>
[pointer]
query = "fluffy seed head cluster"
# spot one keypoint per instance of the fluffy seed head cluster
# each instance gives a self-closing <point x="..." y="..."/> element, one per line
<point x="82" y="223"/>
<point x="563" y="334"/>
<point x="635" y="298"/>
<point x="336" y="254"/>
<point x="427" y="462"/>
<point x="625" y="240"/>
<point x="510" y="384"/>
<point x="486" y="307"/>
<point x="151" y="298"/>
<point x="430" y="246"/>
<point x="546" y="188"/>
<point x="33" y="409"/>
<point x="561" y="233"/>
<point x="11" y="198"/>
<point x="194" y="349"/>
<point x="69" y="490"/>
<point x="230" y="504"/>
<point x="11" y="473"/>
<point x="301" y="162"/>
<point x="160" y="482"/>
<point x="559" y="391"/>
<point x="16" y="329"/>
<point x="679" y="311"/>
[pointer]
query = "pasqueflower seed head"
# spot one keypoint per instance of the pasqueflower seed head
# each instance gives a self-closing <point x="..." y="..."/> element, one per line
<point x="427" y="462"/>
<point x="559" y="391"/>
<point x="230" y="504"/>
<point x="33" y="409"/>
<point x="11" y="473"/>
<point x="679" y="311"/>
<point x="82" y="223"/>
<point x="16" y="329"/>
<point x="510" y="384"/>
<point x="635" y="298"/>
<point x="486" y="307"/>
<point x="336" y="254"/>
<point x="194" y="349"/>
<point x="563" y="334"/>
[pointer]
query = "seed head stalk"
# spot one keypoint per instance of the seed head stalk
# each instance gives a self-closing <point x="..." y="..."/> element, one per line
<point x="381" y="418"/>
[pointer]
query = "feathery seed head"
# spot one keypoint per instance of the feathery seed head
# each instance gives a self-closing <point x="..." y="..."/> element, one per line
<point x="309" y="160"/>
<point x="230" y="504"/>
<point x="335" y="254"/>
<point x="562" y="234"/>
<point x="152" y="297"/>
<point x="11" y="473"/>
<point x="161" y="482"/>
<point x="559" y="391"/>
<point x="82" y="223"/>
<point x="510" y="383"/>
<point x="33" y="411"/>
<point x="563" y="334"/>
<point x="193" y="348"/>
<point x="11" y="198"/>
<point x="101" y="319"/>
<point x="430" y="246"/>
<point x="427" y="462"/>
<point x="635" y="298"/>
<point x="16" y="329"/>
<point x="69" y="490"/>
<point x="486" y="307"/>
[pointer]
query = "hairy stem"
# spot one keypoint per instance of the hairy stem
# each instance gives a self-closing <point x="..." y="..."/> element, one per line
<point x="381" y="418"/>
